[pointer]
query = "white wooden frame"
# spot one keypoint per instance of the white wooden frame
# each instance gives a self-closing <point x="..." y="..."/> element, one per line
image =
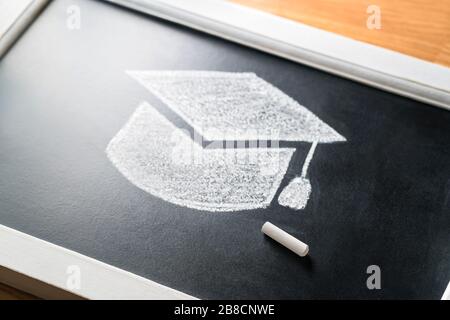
<point x="446" y="295"/>
<point x="359" y="61"/>
<point x="21" y="21"/>
<point x="44" y="269"/>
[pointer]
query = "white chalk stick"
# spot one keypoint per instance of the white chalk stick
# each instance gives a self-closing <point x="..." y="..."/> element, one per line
<point x="285" y="239"/>
<point x="446" y="295"/>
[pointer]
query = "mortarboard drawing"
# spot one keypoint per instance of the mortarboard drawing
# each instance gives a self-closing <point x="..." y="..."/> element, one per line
<point x="220" y="106"/>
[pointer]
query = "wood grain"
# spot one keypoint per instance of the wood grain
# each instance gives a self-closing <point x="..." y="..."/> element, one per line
<point x="419" y="28"/>
<point x="8" y="293"/>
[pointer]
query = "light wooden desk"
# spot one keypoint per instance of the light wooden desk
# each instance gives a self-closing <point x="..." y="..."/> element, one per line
<point x="420" y="28"/>
<point x="8" y="293"/>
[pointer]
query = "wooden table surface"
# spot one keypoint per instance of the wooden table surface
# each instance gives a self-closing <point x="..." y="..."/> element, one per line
<point x="420" y="28"/>
<point x="8" y="293"/>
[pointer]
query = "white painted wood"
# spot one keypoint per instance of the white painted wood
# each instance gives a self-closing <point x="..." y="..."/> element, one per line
<point x="15" y="16"/>
<point x="372" y="65"/>
<point x="34" y="259"/>
<point x="10" y="11"/>
<point x="446" y="295"/>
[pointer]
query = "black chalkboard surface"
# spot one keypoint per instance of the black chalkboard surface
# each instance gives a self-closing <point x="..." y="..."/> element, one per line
<point x="381" y="198"/>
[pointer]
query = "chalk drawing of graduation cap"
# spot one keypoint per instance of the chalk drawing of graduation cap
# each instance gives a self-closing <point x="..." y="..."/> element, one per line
<point x="221" y="106"/>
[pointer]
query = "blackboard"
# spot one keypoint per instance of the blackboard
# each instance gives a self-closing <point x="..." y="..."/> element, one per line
<point x="381" y="198"/>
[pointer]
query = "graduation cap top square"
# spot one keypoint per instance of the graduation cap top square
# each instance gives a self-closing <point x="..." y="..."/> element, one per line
<point x="235" y="106"/>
